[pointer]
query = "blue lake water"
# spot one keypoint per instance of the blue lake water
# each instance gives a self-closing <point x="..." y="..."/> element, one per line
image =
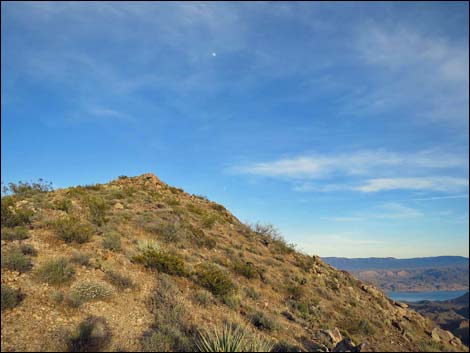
<point x="418" y="296"/>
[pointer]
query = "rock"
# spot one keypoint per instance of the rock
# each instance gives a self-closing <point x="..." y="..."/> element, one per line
<point x="401" y="305"/>
<point x="437" y="334"/>
<point x="288" y="316"/>
<point x="347" y="345"/>
<point x="118" y="206"/>
<point x="328" y="338"/>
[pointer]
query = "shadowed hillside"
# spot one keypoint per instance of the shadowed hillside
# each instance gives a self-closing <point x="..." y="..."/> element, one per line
<point x="136" y="264"/>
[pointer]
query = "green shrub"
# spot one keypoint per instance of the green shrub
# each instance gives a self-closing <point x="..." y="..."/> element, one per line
<point x="246" y="269"/>
<point x="112" y="241"/>
<point x="295" y="291"/>
<point x="203" y="297"/>
<point x="56" y="271"/>
<point x="25" y="189"/>
<point x="15" y="260"/>
<point x="233" y="301"/>
<point x="17" y="233"/>
<point x="118" y="280"/>
<point x="72" y="229"/>
<point x="232" y="338"/>
<point x="194" y="209"/>
<point x="64" y="204"/>
<point x="208" y="221"/>
<point x="147" y="244"/>
<point x="86" y="290"/>
<point x="97" y="207"/>
<point x="92" y="335"/>
<point x="262" y="321"/>
<point x="169" y="233"/>
<point x="10" y="297"/>
<point x="217" y="207"/>
<point x="214" y="279"/>
<point x="271" y="236"/>
<point x="252" y="293"/>
<point x="12" y="216"/>
<point x="200" y="238"/>
<point x="164" y="261"/>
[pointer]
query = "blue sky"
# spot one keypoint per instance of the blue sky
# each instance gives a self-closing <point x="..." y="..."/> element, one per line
<point x="344" y="124"/>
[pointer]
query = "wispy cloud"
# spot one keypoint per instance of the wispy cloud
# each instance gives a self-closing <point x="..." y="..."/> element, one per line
<point x="366" y="171"/>
<point x="385" y="211"/>
<point x="422" y="183"/>
<point x="442" y="197"/>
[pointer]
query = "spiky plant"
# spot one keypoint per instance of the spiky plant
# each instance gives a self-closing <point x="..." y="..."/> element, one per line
<point x="232" y="339"/>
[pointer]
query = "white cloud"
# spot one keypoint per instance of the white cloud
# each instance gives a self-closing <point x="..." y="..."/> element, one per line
<point x="447" y="184"/>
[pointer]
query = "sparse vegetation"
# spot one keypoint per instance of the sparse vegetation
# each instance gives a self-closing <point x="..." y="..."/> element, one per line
<point x="203" y="297"/>
<point x="80" y="258"/>
<point x="245" y="269"/>
<point x="112" y="241"/>
<point x="170" y="331"/>
<point x="25" y="189"/>
<point x="15" y="260"/>
<point x="55" y="271"/>
<point x="10" y="297"/>
<point x="17" y="233"/>
<point x="118" y="280"/>
<point x="92" y="335"/>
<point x="214" y="279"/>
<point x="57" y="297"/>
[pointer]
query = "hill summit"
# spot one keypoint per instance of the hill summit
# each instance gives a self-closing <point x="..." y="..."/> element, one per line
<point x="138" y="265"/>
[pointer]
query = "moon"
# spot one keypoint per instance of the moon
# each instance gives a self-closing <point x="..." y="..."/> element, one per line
<point x="214" y="53"/>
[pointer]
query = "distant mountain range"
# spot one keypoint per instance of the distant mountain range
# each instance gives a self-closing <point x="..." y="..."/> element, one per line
<point x="415" y="274"/>
<point x="391" y="263"/>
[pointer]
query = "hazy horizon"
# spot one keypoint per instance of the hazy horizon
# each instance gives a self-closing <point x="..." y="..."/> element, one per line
<point x="343" y="124"/>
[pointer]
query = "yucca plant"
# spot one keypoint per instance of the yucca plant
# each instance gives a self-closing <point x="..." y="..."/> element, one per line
<point x="232" y="339"/>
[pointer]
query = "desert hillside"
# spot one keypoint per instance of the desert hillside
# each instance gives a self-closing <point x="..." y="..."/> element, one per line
<point x="136" y="265"/>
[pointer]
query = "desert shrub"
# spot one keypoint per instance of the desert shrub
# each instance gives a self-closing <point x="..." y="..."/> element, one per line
<point x="92" y="335"/>
<point x="118" y="280"/>
<point x="112" y="241"/>
<point x="262" y="321"/>
<point x="15" y="260"/>
<point x="10" y="297"/>
<point x="284" y="346"/>
<point x="57" y="297"/>
<point x="17" y="233"/>
<point x="295" y="291"/>
<point x="302" y="308"/>
<point x="208" y="221"/>
<point x="172" y="201"/>
<point x="64" y="204"/>
<point x="252" y="293"/>
<point x="97" y="207"/>
<point x="202" y="197"/>
<point x="73" y="229"/>
<point x="55" y="271"/>
<point x="203" y="297"/>
<point x="11" y="216"/>
<point x="163" y="261"/>
<point x="233" y="301"/>
<point x="85" y="291"/>
<point x="175" y="190"/>
<point x="170" y="331"/>
<point x="80" y="258"/>
<point x="27" y="249"/>
<point x="246" y="269"/>
<point x="232" y="338"/>
<point x="200" y="238"/>
<point x="271" y="236"/>
<point x="214" y="279"/>
<point x="25" y="189"/>
<point x="169" y="233"/>
<point x="146" y="244"/>
<point x="194" y="209"/>
<point x="217" y="207"/>
<point x="361" y="326"/>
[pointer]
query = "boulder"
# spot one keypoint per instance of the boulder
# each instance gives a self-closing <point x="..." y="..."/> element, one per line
<point x="328" y="338"/>
<point x="347" y="345"/>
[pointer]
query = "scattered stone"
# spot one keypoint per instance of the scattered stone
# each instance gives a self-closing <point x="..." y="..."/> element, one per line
<point x="328" y="338"/>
